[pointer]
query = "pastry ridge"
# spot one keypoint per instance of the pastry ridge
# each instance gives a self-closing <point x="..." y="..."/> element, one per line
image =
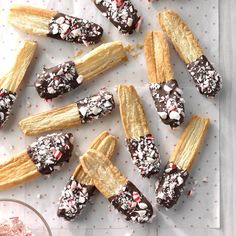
<point x="104" y="143"/>
<point x="13" y="79"/>
<point x="17" y="170"/>
<point x="107" y="178"/>
<point x="19" y="8"/>
<point x="190" y="142"/>
<point x="55" y="119"/>
<point x="181" y="36"/>
<point x="158" y="57"/>
<point x="30" y="19"/>
<point x="132" y="112"/>
<point x="101" y="59"/>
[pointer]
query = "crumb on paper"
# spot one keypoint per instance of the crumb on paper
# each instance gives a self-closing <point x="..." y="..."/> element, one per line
<point x="191" y="193"/>
<point x="135" y="54"/>
<point x="134" y="50"/>
<point x="205" y="179"/>
<point x="28" y="104"/>
<point x="78" y="52"/>
<point x="139" y="46"/>
<point x="129" y="47"/>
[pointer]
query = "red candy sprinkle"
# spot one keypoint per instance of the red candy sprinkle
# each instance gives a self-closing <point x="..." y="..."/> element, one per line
<point x="57" y="154"/>
<point x="136" y="197"/>
<point x="48" y="100"/>
<point x="120" y="3"/>
<point x="2" y="94"/>
<point x="173" y="166"/>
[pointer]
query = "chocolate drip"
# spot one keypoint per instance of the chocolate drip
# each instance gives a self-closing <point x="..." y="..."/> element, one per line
<point x="171" y="185"/>
<point x="50" y="152"/>
<point x="145" y="155"/>
<point x="96" y="106"/>
<point x="121" y="14"/>
<point x="7" y="99"/>
<point x="57" y="80"/>
<point x="169" y="102"/>
<point x="207" y="80"/>
<point x="131" y="203"/>
<point x="74" y="29"/>
<point x="74" y="199"/>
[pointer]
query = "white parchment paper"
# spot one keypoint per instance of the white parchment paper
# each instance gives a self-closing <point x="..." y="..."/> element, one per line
<point x="201" y="210"/>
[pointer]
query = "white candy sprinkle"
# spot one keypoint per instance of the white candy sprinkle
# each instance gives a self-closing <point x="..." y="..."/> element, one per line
<point x="167" y="88"/>
<point x="174" y="115"/>
<point x="83" y="110"/>
<point x="142" y="205"/>
<point x="180" y="180"/>
<point x="80" y="79"/>
<point x="163" y="115"/>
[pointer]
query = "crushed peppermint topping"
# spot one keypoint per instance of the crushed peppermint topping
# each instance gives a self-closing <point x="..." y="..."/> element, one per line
<point x="131" y="202"/>
<point x="73" y="199"/>
<point x="121" y="13"/>
<point x="169" y="102"/>
<point x="7" y="100"/>
<point x="74" y="29"/>
<point x="50" y="152"/>
<point x="171" y="185"/>
<point x="55" y="81"/>
<point x="14" y="227"/>
<point x="207" y="80"/>
<point x="95" y="106"/>
<point x="145" y="155"/>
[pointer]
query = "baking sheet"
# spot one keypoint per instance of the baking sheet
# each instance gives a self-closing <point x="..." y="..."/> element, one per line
<point x="199" y="211"/>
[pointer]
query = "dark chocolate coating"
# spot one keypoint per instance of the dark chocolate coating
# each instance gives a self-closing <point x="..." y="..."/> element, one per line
<point x="207" y="80"/>
<point x="131" y="203"/>
<point x="121" y="14"/>
<point x="57" y="80"/>
<point x="50" y="152"/>
<point x="145" y="155"/>
<point x="74" y="199"/>
<point x="95" y="106"/>
<point x="171" y="185"/>
<point x="7" y="99"/>
<point x="169" y="102"/>
<point x="73" y="29"/>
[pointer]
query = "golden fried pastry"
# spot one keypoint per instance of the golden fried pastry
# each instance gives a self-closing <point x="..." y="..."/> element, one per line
<point x="44" y="156"/>
<point x="83" y="111"/>
<point x="207" y="80"/>
<point x="80" y="187"/>
<point x="122" y="193"/>
<point x="139" y="139"/>
<point x="176" y="172"/>
<point x="163" y="87"/>
<point x="10" y="82"/>
<point x="67" y="76"/>
<point x="54" y="24"/>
